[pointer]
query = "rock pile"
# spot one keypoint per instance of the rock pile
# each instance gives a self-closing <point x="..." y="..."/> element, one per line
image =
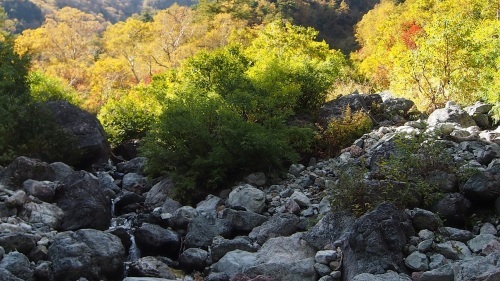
<point x="60" y="224"/>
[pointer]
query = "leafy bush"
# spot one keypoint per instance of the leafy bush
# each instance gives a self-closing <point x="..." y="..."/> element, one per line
<point x="44" y="88"/>
<point x="129" y="116"/>
<point x="405" y="178"/>
<point x="340" y="133"/>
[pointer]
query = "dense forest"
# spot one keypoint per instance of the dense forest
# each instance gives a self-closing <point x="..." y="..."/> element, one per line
<point x="218" y="89"/>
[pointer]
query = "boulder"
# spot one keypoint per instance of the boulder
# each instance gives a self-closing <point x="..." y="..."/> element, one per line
<point x="478" y="243"/>
<point x="92" y="145"/>
<point x="389" y="276"/>
<point x="128" y="202"/>
<point x="154" y="240"/>
<point x="332" y="227"/>
<point x="376" y="242"/>
<point x="484" y="187"/>
<point x="234" y="262"/>
<point x="221" y="246"/>
<point x="202" y="230"/>
<point x="452" y="113"/>
<point x="454" y="250"/>
<point x="44" y="214"/>
<point x="17" y="265"/>
<point x="84" y="203"/>
<point x="135" y="165"/>
<point x="417" y="261"/>
<point x="24" y="168"/>
<point x="193" y="259"/>
<point x="453" y="208"/>
<point x="248" y="197"/>
<point x="61" y="170"/>
<point x="86" y="253"/>
<point x="335" y="108"/>
<point x="285" y="258"/>
<point x="134" y="182"/>
<point x="256" y="179"/>
<point x="278" y="225"/>
<point x="423" y="219"/>
<point x="209" y="206"/>
<point x="22" y="242"/>
<point x="452" y="233"/>
<point x="182" y="217"/>
<point x="160" y="192"/>
<point x="243" y="221"/>
<point x="478" y="268"/>
<point x="150" y="267"/>
<point x="43" y="190"/>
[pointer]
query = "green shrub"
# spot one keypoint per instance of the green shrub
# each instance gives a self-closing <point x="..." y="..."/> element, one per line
<point x="44" y="88"/>
<point x="340" y="133"/>
<point x="404" y="178"/>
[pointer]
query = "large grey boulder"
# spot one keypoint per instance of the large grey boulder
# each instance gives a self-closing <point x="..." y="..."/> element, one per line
<point x="452" y="113"/>
<point x="86" y="253"/>
<point x="42" y="215"/>
<point x="484" y="187"/>
<point x="18" y="265"/>
<point x="84" y="202"/>
<point x="182" y="217"/>
<point x="24" y="168"/>
<point x="221" y="246"/>
<point x="332" y="227"/>
<point x="478" y="268"/>
<point x="376" y="242"/>
<point x="43" y="190"/>
<point x="248" y="197"/>
<point x="22" y="242"/>
<point x="91" y="141"/>
<point x="335" y="108"/>
<point x="234" y="262"/>
<point x="389" y="276"/>
<point x="155" y="240"/>
<point x="202" y="230"/>
<point x="193" y="259"/>
<point x="453" y="208"/>
<point x="285" y="258"/>
<point x="135" y="165"/>
<point x="159" y="193"/>
<point x="278" y="225"/>
<point x="243" y="221"/>
<point x="61" y="170"/>
<point x="209" y="206"/>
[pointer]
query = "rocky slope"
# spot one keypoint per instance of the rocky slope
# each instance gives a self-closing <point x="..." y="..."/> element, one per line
<point x="112" y="224"/>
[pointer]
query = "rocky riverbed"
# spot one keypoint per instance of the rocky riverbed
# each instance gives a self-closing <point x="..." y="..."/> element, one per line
<point x="115" y="224"/>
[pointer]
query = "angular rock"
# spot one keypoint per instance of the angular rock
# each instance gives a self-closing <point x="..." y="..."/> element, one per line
<point x="18" y="265"/>
<point x="128" y="202"/>
<point x="234" y="262"/>
<point x="454" y="250"/>
<point x="159" y="193"/>
<point x="134" y="182"/>
<point x="389" y="276"/>
<point x="43" y="190"/>
<point x="478" y="268"/>
<point x="151" y="267"/>
<point x="417" y="261"/>
<point x="221" y="246"/>
<point x="201" y="231"/>
<point x="248" y="197"/>
<point x="451" y="113"/>
<point x="332" y="227"/>
<point x="325" y="256"/>
<point x="22" y="242"/>
<point x="301" y="199"/>
<point x="376" y="242"/>
<point x="155" y="240"/>
<point x="44" y="214"/>
<point x="84" y="203"/>
<point x="488" y="228"/>
<point x="24" y="168"/>
<point x="456" y="234"/>
<point x="135" y="165"/>
<point x="442" y="273"/>
<point x="182" y="217"/>
<point x="453" y="209"/>
<point x="256" y="179"/>
<point x="322" y="269"/>
<point x="277" y="225"/>
<point x="423" y="219"/>
<point x="193" y="259"/>
<point x="209" y="206"/>
<point x="92" y="145"/>
<point x="478" y="243"/>
<point x="285" y="258"/>
<point x="243" y="221"/>
<point x="86" y="253"/>
<point x="61" y="170"/>
<point x="484" y="187"/>
<point x="17" y="199"/>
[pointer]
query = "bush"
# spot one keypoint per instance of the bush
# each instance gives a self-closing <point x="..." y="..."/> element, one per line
<point x="404" y="178"/>
<point x="340" y="133"/>
<point x="44" y="88"/>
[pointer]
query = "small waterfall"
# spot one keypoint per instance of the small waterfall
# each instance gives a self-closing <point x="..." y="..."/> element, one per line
<point x="134" y="253"/>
